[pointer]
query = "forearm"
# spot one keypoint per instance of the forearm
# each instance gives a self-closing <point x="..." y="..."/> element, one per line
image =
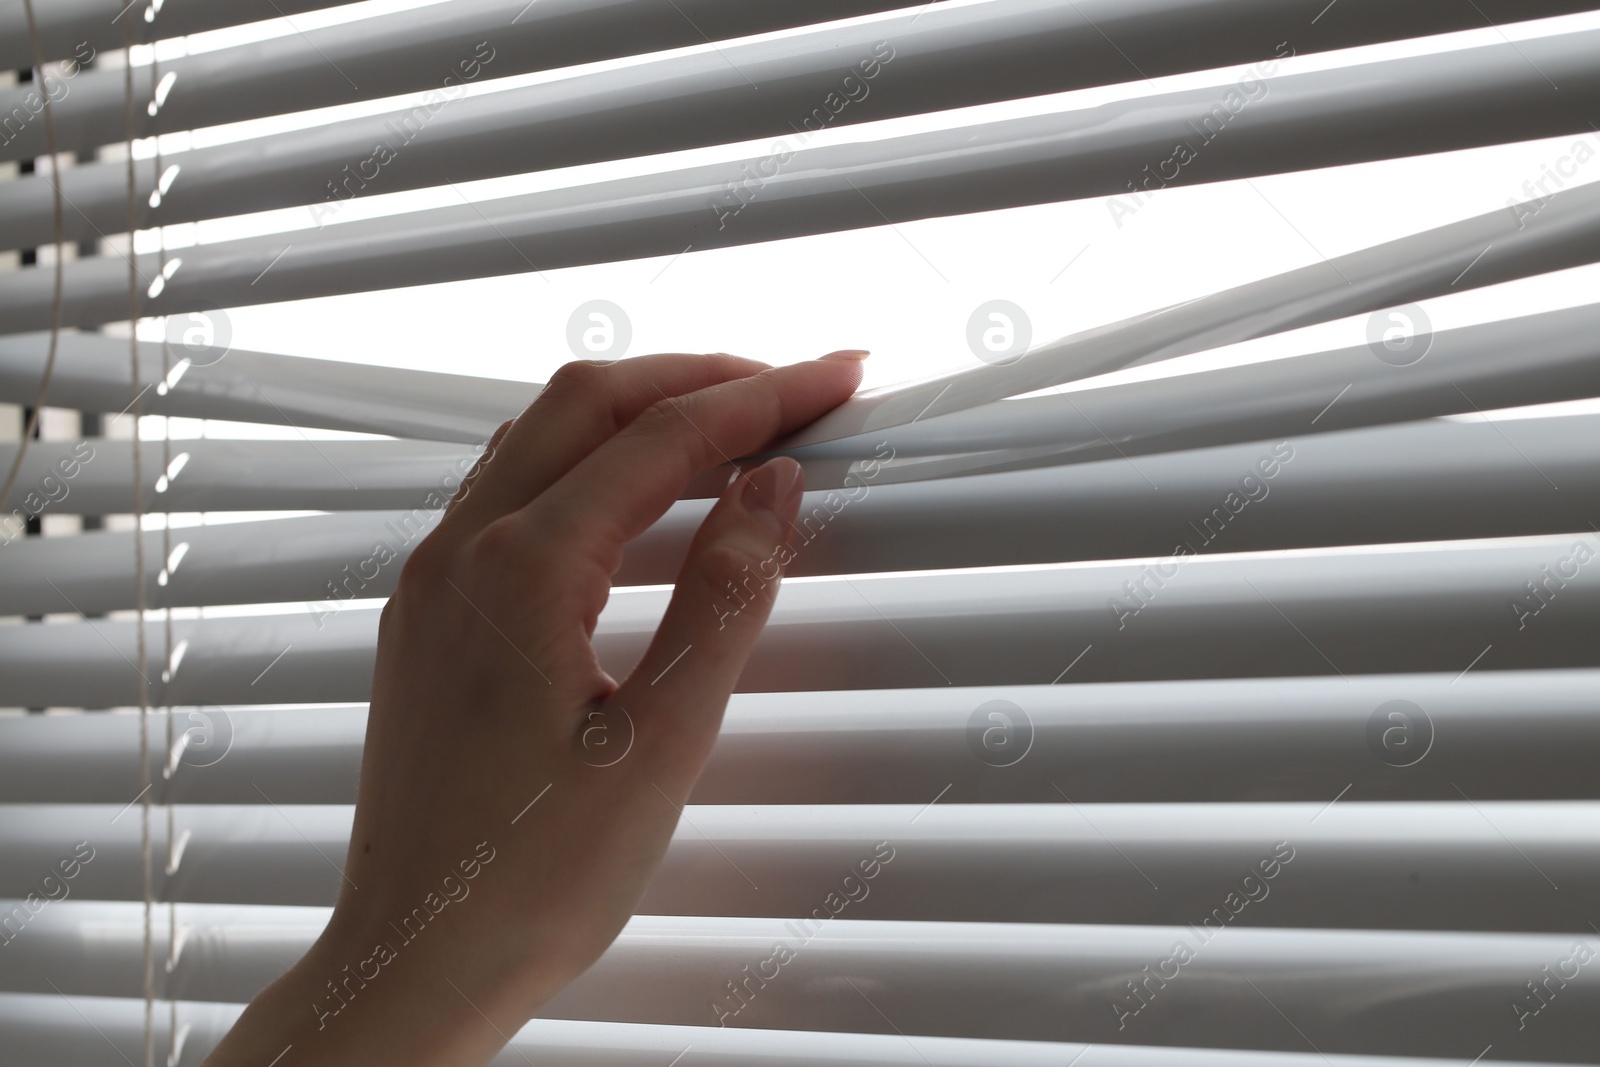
<point x="415" y="1008"/>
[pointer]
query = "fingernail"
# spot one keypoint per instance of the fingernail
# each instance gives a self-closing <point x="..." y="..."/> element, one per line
<point x="847" y="355"/>
<point x="499" y="435"/>
<point x="771" y="493"/>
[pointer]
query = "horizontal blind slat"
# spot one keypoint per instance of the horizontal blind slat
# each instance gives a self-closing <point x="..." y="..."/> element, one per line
<point x="1059" y="862"/>
<point x="402" y="52"/>
<point x="1431" y="103"/>
<point x="64" y="25"/>
<point x="1401" y="608"/>
<point x="92" y="374"/>
<point x="1502" y="735"/>
<point x="217" y="474"/>
<point x="954" y="979"/>
<point x="46" y="1028"/>
<point x="1411" y="482"/>
<point x="1497" y="247"/>
<point x="922" y="60"/>
<point x="1465" y="372"/>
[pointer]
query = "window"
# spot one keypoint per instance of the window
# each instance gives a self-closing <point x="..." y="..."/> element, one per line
<point x="1193" y="627"/>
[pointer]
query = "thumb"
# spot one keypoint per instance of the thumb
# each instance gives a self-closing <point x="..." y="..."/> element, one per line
<point x="676" y="695"/>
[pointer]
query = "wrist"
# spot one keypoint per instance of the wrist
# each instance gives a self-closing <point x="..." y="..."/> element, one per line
<point x="490" y="969"/>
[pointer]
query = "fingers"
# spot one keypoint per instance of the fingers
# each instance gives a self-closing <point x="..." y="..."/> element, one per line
<point x="621" y="488"/>
<point x="676" y="695"/>
<point x="471" y="480"/>
<point x="584" y="405"/>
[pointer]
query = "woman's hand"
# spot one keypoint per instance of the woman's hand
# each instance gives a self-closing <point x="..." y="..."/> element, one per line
<point x="514" y="799"/>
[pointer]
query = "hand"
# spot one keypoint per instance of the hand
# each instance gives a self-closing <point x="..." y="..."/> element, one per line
<point x="464" y="909"/>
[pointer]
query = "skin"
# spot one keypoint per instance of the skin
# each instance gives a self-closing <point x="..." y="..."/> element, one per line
<point x="487" y="696"/>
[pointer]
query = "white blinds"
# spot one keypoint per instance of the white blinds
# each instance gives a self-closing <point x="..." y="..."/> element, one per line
<point x="1341" y="751"/>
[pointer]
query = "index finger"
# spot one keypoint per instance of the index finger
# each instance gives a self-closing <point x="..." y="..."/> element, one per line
<point x="621" y="488"/>
<point x="583" y="405"/>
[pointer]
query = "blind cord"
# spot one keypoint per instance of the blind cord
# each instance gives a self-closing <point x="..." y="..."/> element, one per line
<point x="56" y="299"/>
